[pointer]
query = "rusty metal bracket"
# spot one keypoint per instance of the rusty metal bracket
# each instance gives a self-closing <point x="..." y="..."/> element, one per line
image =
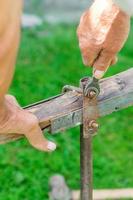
<point x="68" y="88"/>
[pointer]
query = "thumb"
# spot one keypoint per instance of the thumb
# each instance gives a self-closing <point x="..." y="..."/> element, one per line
<point x="37" y="140"/>
<point x="101" y="65"/>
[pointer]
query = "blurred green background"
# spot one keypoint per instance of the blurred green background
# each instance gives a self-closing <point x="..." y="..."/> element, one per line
<point x="49" y="58"/>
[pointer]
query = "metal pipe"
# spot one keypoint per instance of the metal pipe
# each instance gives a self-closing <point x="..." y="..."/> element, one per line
<point x="91" y="89"/>
<point x="86" y="166"/>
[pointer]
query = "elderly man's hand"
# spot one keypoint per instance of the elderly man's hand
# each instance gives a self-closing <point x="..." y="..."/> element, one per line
<point x="102" y="32"/>
<point x="15" y="120"/>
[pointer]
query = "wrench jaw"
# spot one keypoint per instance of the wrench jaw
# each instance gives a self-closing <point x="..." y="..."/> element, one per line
<point x="89" y="85"/>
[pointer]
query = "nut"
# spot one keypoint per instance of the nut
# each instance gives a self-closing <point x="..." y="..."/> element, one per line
<point x="93" y="124"/>
<point x="92" y="94"/>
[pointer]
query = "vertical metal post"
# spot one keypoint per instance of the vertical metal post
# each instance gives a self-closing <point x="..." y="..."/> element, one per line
<point x="90" y="88"/>
<point x="86" y="166"/>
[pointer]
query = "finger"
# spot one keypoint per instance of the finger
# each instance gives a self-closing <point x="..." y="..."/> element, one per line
<point x="88" y="50"/>
<point x="89" y="53"/>
<point x="89" y="56"/>
<point x="114" y="60"/>
<point x="38" y="141"/>
<point x="102" y="64"/>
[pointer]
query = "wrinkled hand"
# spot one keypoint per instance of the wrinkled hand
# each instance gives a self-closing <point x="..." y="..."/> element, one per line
<point x="19" y="121"/>
<point x="102" y="32"/>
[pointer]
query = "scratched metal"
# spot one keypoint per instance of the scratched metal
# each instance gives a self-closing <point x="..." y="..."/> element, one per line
<point x="68" y="121"/>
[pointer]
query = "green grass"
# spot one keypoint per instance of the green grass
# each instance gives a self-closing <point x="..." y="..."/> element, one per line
<point x="49" y="58"/>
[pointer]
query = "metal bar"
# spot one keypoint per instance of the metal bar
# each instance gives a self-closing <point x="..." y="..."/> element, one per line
<point x="91" y="90"/>
<point x="86" y="166"/>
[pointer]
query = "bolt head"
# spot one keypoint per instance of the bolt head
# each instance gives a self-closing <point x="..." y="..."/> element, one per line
<point x="92" y="94"/>
<point x="95" y="125"/>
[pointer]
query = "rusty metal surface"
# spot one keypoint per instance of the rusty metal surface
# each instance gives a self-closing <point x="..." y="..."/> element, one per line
<point x="68" y="121"/>
<point x="91" y="90"/>
<point x="86" y="166"/>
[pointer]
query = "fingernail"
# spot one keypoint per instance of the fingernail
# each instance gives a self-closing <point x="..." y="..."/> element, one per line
<point x="98" y="74"/>
<point x="51" y="146"/>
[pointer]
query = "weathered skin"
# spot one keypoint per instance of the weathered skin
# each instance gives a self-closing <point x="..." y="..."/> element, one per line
<point x="102" y="32"/>
<point x="14" y="119"/>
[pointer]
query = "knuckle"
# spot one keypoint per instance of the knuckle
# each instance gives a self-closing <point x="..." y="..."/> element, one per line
<point x="32" y="121"/>
<point x="84" y="16"/>
<point x="84" y="44"/>
<point x="10" y="97"/>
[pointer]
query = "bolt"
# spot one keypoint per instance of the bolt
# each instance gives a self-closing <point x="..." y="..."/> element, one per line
<point x="93" y="124"/>
<point x="92" y="94"/>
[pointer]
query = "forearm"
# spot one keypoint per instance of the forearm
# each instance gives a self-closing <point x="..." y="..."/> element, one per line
<point x="10" y="12"/>
<point x="126" y="5"/>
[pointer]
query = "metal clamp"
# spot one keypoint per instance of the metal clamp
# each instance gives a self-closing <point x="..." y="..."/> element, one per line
<point x="91" y="90"/>
<point x="68" y="88"/>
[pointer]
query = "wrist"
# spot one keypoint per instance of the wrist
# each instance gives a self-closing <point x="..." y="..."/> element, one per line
<point x="125" y="5"/>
